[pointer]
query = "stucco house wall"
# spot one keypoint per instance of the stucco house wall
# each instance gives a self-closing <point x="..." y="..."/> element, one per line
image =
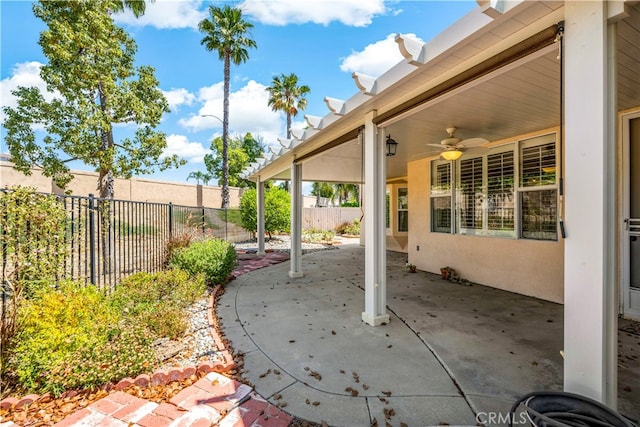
<point x="529" y="267"/>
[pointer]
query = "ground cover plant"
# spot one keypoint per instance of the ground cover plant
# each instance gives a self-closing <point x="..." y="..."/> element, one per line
<point x="73" y="336"/>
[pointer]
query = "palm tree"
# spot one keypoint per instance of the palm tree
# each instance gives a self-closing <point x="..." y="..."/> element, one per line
<point x="200" y="176"/>
<point x="226" y="32"/>
<point x="285" y="95"/>
<point x="345" y="192"/>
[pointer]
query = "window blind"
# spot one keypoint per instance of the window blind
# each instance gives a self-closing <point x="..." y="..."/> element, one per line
<point x="500" y="191"/>
<point x="471" y="196"/>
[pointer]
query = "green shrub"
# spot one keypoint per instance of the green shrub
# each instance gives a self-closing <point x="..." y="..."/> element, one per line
<point x="277" y="211"/>
<point x="33" y="235"/>
<point x="55" y="323"/>
<point x="350" y="229"/>
<point x="174" y="243"/>
<point x="314" y="235"/>
<point x="213" y="258"/>
<point x="158" y="300"/>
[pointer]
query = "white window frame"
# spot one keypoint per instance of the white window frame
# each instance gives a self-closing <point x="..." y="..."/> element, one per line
<point x="455" y="194"/>
<point x="402" y="209"/>
<point x="436" y="194"/>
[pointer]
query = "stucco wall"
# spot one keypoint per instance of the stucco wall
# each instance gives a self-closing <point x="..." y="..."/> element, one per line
<point x="142" y="190"/>
<point x="528" y="267"/>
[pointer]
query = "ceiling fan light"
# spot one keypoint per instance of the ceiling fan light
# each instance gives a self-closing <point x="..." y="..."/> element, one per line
<point x="451" y="154"/>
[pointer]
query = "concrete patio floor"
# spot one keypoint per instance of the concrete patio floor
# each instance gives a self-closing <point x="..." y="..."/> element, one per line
<point x="452" y="354"/>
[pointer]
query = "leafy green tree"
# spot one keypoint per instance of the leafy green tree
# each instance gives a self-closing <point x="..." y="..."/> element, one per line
<point x="226" y="32"/>
<point x="346" y="193"/>
<point x="286" y="95"/>
<point x="240" y="152"/>
<point x="200" y="176"/>
<point x="277" y="208"/>
<point x="321" y="189"/>
<point x="96" y="86"/>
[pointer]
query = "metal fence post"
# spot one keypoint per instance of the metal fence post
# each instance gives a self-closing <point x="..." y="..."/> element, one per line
<point x="92" y="240"/>
<point x="170" y="220"/>
<point x="203" y="223"/>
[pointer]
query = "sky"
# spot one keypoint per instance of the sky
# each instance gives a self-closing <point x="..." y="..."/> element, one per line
<point x="322" y="41"/>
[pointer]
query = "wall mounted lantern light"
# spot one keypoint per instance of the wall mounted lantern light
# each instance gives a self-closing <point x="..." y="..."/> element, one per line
<point x="392" y="146"/>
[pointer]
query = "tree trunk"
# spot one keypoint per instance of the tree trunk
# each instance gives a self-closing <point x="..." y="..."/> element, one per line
<point x="106" y="191"/>
<point x="225" y="134"/>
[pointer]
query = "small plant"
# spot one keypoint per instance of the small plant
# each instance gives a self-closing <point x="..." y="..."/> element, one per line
<point x="127" y="352"/>
<point x="349" y="228"/>
<point x="314" y="235"/>
<point x="158" y="300"/>
<point x="213" y="258"/>
<point x="179" y="241"/>
<point x="412" y="268"/>
<point x="54" y="324"/>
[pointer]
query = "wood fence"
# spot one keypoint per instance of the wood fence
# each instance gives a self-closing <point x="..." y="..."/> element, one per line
<point x="327" y="219"/>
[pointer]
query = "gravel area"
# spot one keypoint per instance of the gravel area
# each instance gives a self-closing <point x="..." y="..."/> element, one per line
<point x="197" y="345"/>
<point x="283" y="243"/>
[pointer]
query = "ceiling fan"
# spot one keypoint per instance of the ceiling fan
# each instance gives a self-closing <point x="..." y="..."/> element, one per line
<point x="453" y="147"/>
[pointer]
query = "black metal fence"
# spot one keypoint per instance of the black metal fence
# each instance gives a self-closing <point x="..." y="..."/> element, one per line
<point x="109" y="239"/>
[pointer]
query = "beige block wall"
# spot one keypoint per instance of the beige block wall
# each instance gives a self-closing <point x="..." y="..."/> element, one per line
<point x="528" y="267"/>
<point x="141" y="190"/>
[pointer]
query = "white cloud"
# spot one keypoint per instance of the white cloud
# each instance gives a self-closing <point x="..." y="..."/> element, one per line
<point x="25" y="74"/>
<point x="248" y="112"/>
<point x="193" y="152"/>
<point x="375" y="59"/>
<point x="178" y="97"/>
<point x="355" y="13"/>
<point x="166" y="14"/>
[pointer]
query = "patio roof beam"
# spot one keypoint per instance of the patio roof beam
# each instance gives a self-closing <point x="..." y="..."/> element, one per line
<point x="349" y="136"/>
<point x="526" y="47"/>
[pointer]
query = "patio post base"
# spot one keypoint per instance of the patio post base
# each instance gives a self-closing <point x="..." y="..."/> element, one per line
<point x="375" y="320"/>
<point x="296" y="274"/>
<point x="260" y="253"/>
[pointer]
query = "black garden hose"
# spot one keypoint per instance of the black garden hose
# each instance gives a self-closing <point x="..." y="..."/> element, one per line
<point x="562" y="409"/>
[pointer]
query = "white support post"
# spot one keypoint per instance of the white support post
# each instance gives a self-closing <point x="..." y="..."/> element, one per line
<point x="375" y="249"/>
<point x="296" y="221"/>
<point x="590" y="309"/>
<point x="260" y="209"/>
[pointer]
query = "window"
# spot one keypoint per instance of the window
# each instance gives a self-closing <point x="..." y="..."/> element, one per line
<point x="441" y="197"/>
<point x="388" y="211"/>
<point x="538" y="194"/>
<point x="511" y="188"/>
<point x="403" y="209"/>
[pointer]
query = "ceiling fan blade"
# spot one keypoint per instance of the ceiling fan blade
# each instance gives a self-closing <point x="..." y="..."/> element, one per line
<point x="436" y="145"/>
<point x="472" y="142"/>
